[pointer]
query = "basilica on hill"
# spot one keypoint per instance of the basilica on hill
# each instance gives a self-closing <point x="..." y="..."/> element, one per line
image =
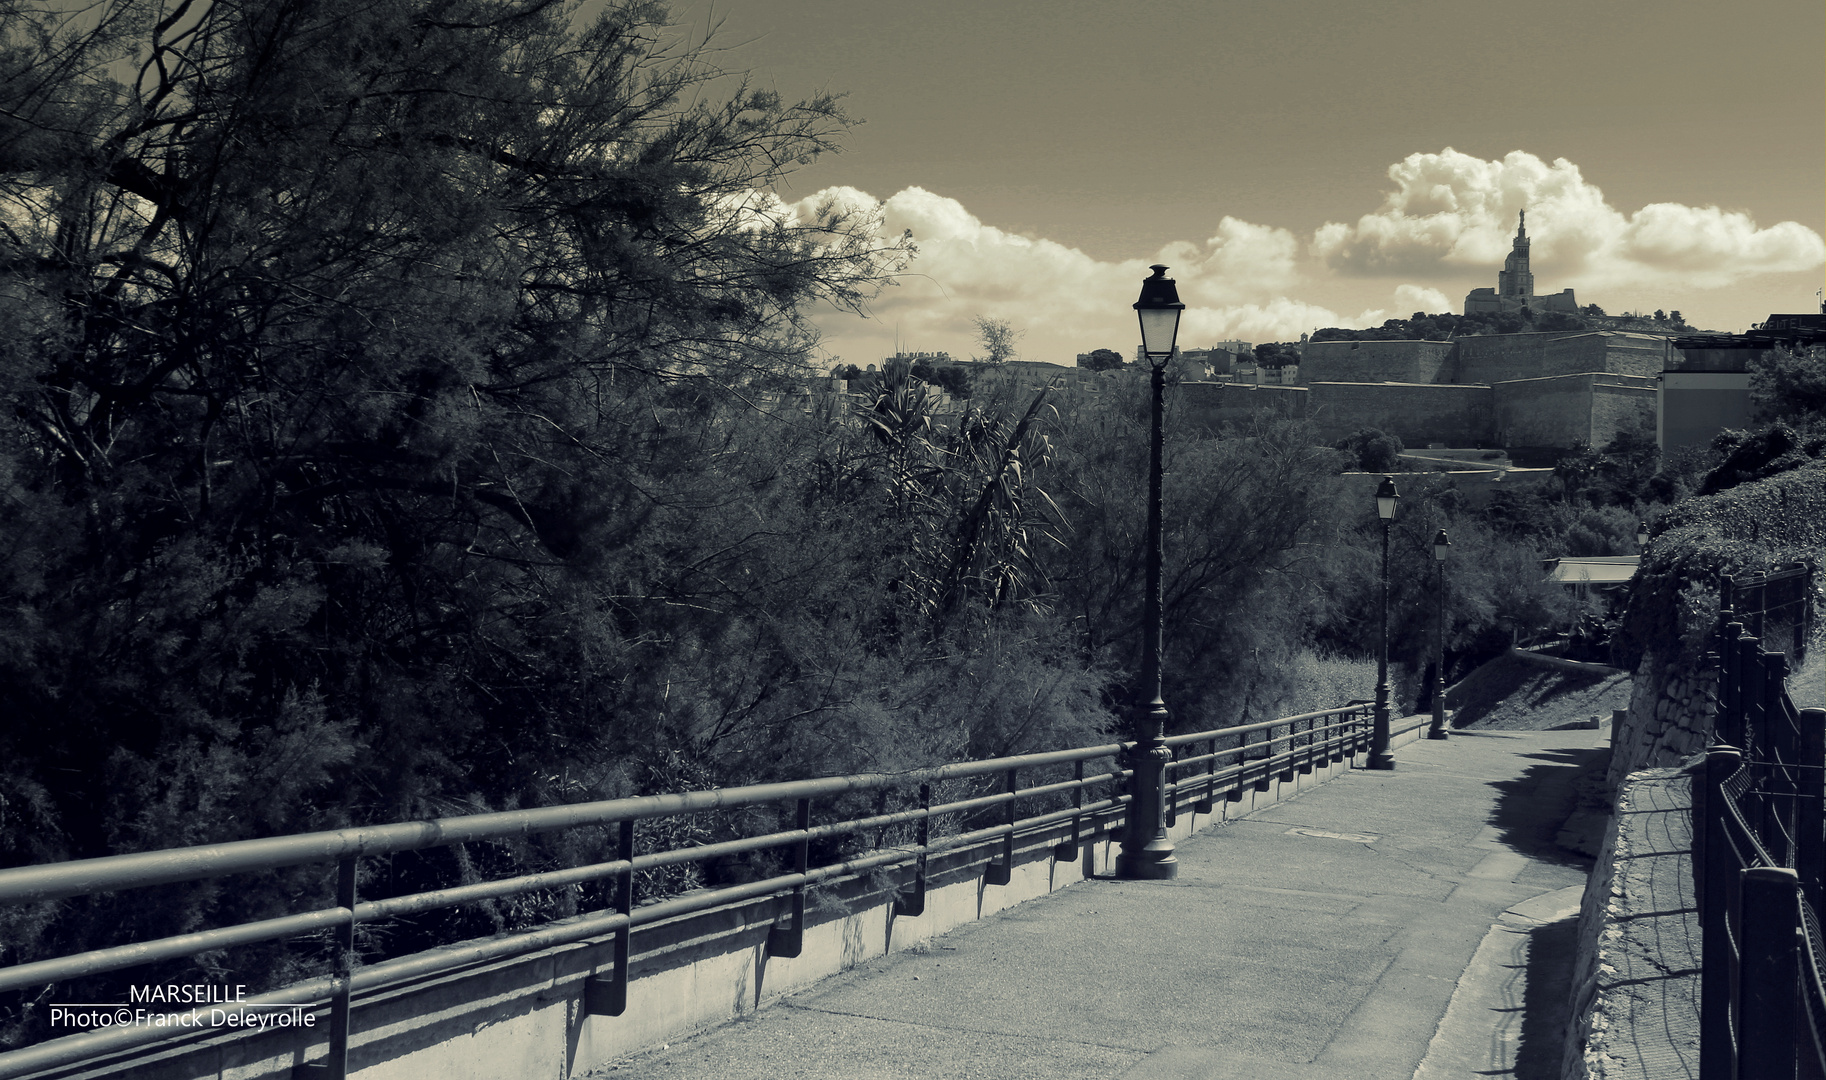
<point x="1515" y="285"/>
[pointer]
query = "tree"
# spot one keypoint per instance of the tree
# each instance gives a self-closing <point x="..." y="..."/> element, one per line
<point x="1102" y="360"/>
<point x="371" y="371"/>
<point x="1593" y="309"/>
<point x="1789" y="384"/>
<point x="1372" y="449"/>
<point x="997" y="339"/>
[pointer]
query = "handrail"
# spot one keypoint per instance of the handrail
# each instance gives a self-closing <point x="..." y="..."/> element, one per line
<point x="28" y="884"/>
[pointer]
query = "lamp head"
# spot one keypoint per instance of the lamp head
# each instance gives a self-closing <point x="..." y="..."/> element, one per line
<point x="1642" y="534"/>
<point x="1159" y="309"/>
<point x="1387" y="498"/>
<point x="1441" y="546"/>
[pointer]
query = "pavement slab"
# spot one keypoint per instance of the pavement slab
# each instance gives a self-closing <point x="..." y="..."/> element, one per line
<point x="1326" y="937"/>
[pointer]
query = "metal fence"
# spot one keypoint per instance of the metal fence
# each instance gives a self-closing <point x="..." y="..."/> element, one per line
<point x="1762" y="850"/>
<point x="1074" y="791"/>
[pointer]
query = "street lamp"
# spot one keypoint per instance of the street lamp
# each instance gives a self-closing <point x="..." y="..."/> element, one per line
<point x="1641" y="535"/>
<point x="1146" y="852"/>
<point x="1441" y="545"/>
<point x="1387" y="499"/>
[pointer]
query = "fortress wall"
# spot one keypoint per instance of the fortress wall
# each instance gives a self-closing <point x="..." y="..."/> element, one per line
<point x="1417" y="413"/>
<point x="1634" y="354"/>
<point x="1561" y="410"/>
<point x="1553" y="411"/>
<point x="1211" y="405"/>
<point x="1375" y="361"/>
<point x="1505" y="357"/>
<point x="1619" y="403"/>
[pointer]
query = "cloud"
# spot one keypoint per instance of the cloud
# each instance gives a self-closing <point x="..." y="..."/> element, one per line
<point x="1450" y="211"/>
<point x="1234" y="284"/>
<point x="1412" y="298"/>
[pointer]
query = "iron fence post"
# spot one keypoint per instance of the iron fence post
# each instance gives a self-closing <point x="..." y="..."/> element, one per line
<point x="1810" y="807"/>
<point x="1769" y="980"/>
<point x="1717" y="873"/>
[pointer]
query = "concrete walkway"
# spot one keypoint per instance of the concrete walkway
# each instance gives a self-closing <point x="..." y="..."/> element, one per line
<point x="1357" y="931"/>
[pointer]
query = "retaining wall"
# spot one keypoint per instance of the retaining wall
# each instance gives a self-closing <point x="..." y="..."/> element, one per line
<point x="525" y="1017"/>
<point x="1671" y="709"/>
<point x="1635" y="986"/>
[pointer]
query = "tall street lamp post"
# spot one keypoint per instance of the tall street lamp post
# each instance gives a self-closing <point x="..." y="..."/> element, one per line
<point x="1146" y="852"/>
<point x="1441" y="546"/>
<point x="1387" y="499"/>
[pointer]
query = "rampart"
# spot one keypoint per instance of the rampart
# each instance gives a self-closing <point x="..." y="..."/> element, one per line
<point x="1376" y="361"/>
<point x="1209" y="406"/>
<point x="1562" y="410"/>
<point x="1416" y="413"/>
<point x="1506" y="357"/>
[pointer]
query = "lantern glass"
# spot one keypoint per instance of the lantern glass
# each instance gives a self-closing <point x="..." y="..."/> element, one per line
<point x="1387" y="499"/>
<point x="1441" y="546"/>
<point x="1159" y="309"/>
<point x="1159" y="331"/>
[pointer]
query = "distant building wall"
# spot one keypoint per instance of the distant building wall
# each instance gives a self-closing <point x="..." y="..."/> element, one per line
<point x="1376" y="361"/>
<point x="1417" y="413"/>
<point x="1696" y="405"/>
<point x="1209" y="406"/>
<point x="1498" y="358"/>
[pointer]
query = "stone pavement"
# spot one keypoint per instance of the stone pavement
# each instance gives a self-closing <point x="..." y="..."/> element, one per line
<point x="1357" y="931"/>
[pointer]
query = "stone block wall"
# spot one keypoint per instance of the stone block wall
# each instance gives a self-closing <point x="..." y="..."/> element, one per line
<point x="1671" y="709"/>
<point x="1563" y="409"/>
<point x="1209" y="406"/>
<point x="1418" y="414"/>
<point x="1376" y="361"/>
<point x="1620" y="403"/>
<point x="1635" y="985"/>
<point x="1504" y="357"/>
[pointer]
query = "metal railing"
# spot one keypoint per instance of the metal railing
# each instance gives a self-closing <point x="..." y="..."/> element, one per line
<point x="1761" y="857"/>
<point x="1085" y="803"/>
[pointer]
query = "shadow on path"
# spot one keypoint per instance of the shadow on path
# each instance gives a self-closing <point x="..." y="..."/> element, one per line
<point x="1531" y="809"/>
<point x="1546" y="1004"/>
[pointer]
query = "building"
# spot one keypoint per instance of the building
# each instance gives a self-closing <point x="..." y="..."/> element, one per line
<point x="1515" y="285"/>
<point x="1705" y="384"/>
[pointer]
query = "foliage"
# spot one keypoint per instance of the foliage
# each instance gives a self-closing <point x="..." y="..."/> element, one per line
<point x="1751" y="527"/>
<point x="1103" y="360"/>
<point x="954" y="379"/>
<point x="1276" y="354"/>
<point x="1789" y="384"/>
<point x="1745" y="456"/>
<point x="1372" y="449"/>
<point x="997" y="338"/>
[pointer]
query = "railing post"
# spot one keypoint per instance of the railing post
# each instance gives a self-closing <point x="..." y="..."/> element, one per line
<point x="1769" y="982"/>
<point x="1207" y="800"/>
<point x="1001" y="873"/>
<point x="609" y="997"/>
<point x="1068" y="851"/>
<point x="789" y="941"/>
<point x="1729" y="727"/>
<point x="913" y="904"/>
<point x="1810" y="808"/>
<point x="1718" y="874"/>
<point x="1755" y="740"/>
<point x="335" y="1064"/>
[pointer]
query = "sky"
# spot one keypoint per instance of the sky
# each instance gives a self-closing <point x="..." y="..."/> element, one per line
<point x="1302" y="163"/>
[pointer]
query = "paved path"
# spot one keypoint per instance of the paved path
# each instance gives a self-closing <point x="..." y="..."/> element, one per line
<point x="1356" y="932"/>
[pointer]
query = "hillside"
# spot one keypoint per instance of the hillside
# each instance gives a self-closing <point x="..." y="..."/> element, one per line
<point x="1508" y="694"/>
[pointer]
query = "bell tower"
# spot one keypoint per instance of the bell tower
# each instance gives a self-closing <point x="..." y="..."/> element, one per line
<point x="1515" y="283"/>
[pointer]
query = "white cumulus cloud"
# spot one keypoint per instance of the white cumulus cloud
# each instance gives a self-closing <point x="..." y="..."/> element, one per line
<point x="1451" y="210"/>
<point x="1235" y="284"/>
